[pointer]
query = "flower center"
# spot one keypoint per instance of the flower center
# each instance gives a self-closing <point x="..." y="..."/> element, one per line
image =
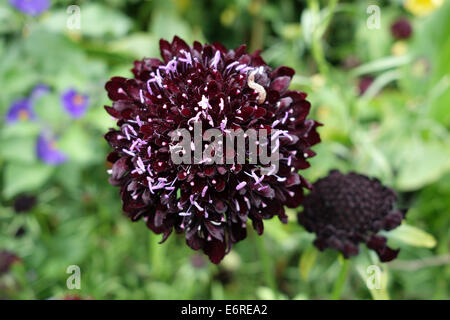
<point x="78" y="99"/>
<point x="23" y="115"/>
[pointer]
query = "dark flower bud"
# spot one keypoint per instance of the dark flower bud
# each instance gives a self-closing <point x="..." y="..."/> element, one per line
<point x="24" y="203"/>
<point x="345" y="210"/>
<point x="401" y="29"/>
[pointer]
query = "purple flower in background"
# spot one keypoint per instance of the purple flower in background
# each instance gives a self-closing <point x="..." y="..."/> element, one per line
<point x="20" y="110"/>
<point x="39" y="91"/>
<point x="31" y="7"/>
<point x="344" y="210"/>
<point x="364" y="84"/>
<point x="46" y="150"/>
<point x="7" y="258"/>
<point x="401" y="29"/>
<point x="75" y="103"/>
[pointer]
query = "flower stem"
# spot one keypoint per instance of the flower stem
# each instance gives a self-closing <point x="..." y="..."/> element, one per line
<point x="316" y="45"/>
<point x="269" y="273"/>
<point x="340" y="281"/>
<point x="155" y="255"/>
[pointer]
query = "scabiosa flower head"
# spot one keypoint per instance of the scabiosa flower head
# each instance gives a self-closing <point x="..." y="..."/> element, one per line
<point x="401" y="29"/>
<point x="344" y="210"/>
<point x="75" y="103"/>
<point x="222" y="89"/>
<point x="20" y="110"/>
<point x="6" y="260"/>
<point x="47" y="151"/>
<point x="31" y="7"/>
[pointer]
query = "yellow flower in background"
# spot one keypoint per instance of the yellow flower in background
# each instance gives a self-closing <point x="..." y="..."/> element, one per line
<point x="422" y="7"/>
<point x="399" y="48"/>
<point x="228" y="16"/>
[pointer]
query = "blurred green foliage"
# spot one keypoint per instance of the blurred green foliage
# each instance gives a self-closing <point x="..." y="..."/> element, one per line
<point x="398" y="131"/>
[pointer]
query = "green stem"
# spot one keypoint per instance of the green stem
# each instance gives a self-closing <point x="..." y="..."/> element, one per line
<point x="340" y="281"/>
<point x="257" y="35"/>
<point x="269" y="273"/>
<point x="156" y="255"/>
<point x="316" y="45"/>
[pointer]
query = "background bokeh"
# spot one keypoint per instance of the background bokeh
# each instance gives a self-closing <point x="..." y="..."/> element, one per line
<point x="385" y="103"/>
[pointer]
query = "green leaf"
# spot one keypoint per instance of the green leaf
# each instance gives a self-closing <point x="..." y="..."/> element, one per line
<point x="24" y="177"/>
<point x="381" y="65"/>
<point x="307" y="261"/>
<point x="18" y="149"/>
<point x="423" y="164"/>
<point x="412" y="236"/>
<point x="77" y="143"/>
<point x="96" y="21"/>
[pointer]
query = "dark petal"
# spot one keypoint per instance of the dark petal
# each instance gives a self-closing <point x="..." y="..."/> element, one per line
<point x="240" y="51"/>
<point x="166" y="50"/>
<point x="258" y="225"/>
<point x="282" y="71"/>
<point x="115" y="90"/>
<point x="280" y="84"/>
<point x="350" y="249"/>
<point x="282" y="215"/>
<point x="195" y="242"/>
<point x="237" y="232"/>
<point x="215" y="250"/>
<point x="295" y="197"/>
<point x="215" y="231"/>
<point x="113" y="112"/>
<point x="159" y="217"/>
<point x="120" y="168"/>
<point x="393" y="220"/>
<point x="178" y="44"/>
<point x="220" y="47"/>
<point x="388" y="254"/>
<point x="378" y="243"/>
<point x="293" y="180"/>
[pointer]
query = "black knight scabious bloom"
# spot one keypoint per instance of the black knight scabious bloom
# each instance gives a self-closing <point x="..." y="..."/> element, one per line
<point x="401" y="29"/>
<point x="344" y="210"/>
<point x="222" y="89"/>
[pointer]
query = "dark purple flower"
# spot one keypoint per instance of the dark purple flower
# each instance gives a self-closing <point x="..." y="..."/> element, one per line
<point x="20" y="232"/>
<point x="364" y="84"/>
<point x="48" y="153"/>
<point x="75" y="103"/>
<point x="401" y="29"/>
<point x="210" y="204"/>
<point x="20" y="110"/>
<point x="24" y="203"/>
<point x="31" y="7"/>
<point x="345" y="210"/>
<point x="6" y="260"/>
<point x="39" y="91"/>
